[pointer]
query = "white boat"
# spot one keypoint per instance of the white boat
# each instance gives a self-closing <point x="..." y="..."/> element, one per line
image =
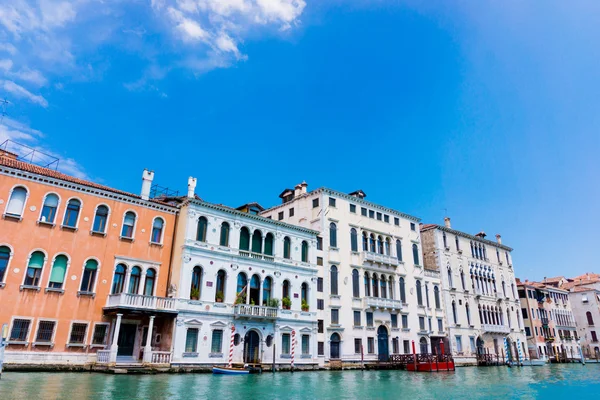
<point x="540" y="362"/>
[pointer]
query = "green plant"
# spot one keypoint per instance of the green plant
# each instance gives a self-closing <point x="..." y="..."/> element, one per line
<point x="252" y="302"/>
<point x="273" y="303"/>
<point x="287" y="303"/>
<point x="219" y="296"/>
<point x="304" y="305"/>
<point x="195" y="294"/>
<point x="241" y="299"/>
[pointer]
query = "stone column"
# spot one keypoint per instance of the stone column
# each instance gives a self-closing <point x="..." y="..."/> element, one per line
<point x="114" y="346"/>
<point x="148" y="346"/>
<point x="142" y="283"/>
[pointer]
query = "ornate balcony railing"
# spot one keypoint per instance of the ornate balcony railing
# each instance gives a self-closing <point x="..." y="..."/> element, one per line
<point x="137" y="301"/>
<point x="248" y="311"/>
<point x="495" y="328"/>
<point x="160" y="357"/>
<point x="380" y="258"/>
<point x="377" y="302"/>
<point x="432" y="274"/>
<point x="103" y="356"/>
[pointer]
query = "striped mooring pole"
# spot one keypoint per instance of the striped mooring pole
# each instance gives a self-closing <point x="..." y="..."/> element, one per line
<point x="231" y="346"/>
<point x="293" y="347"/>
<point x="506" y="351"/>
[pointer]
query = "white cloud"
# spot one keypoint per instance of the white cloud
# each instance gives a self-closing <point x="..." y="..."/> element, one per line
<point x="16" y="131"/>
<point x="6" y="65"/>
<point x="20" y="91"/>
<point x="30" y="75"/>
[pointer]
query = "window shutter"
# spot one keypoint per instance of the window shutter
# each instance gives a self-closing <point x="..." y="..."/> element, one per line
<point x="58" y="270"/>
<point x="16" y="202"/>
<point x="36" y="260"/>
<point x="91" y="264"/>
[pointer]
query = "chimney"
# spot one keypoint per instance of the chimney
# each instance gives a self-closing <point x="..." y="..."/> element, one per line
<point x="147" y="177"/>
<point x="447" y="223"/>
<point x="498" y="238"/>
<point x="297" y="190"/>
<point x="304" y="187"/>
<point x="8" y="154"/>
<point x="191" y="187"/>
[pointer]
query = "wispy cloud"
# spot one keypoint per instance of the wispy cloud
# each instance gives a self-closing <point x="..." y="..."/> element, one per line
<point x="20" y="92"/>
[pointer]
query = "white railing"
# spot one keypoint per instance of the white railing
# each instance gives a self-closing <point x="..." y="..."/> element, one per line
<point x="138" y="301"/>
<point x="495" y="328"/>
<point x="380" y="258"/>
<point x="160" y="357"/>
<point x="432" y="274"/>
<point x="256" y="256"/>
<point x="243" y="310"/>
<point x="103" y="356"/>
<point x="376" y="302"/>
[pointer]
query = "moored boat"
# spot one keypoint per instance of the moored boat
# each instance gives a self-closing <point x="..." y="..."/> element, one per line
<point x="236" y="370"/>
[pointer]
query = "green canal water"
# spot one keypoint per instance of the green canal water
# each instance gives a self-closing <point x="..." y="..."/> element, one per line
<point x="556" y="381"/>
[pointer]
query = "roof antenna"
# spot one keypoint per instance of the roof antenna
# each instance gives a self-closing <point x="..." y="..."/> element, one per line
<point x="3" y="104"/>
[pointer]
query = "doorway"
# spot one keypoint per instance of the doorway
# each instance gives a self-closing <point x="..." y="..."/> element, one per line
<point x="382" y="344"/>
<point x="251" y="348"/>
<point x="126" y="340"/>
<point x="334" y="347"/>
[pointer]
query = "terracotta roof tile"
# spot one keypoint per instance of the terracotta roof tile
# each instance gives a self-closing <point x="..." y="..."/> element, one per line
<point x="582" y="289"/>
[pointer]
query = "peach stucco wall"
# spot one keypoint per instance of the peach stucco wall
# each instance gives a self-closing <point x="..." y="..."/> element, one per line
<point x="26" y="236"/>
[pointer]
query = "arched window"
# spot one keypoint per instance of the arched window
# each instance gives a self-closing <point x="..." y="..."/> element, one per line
<point x="304" y="292"/>
<point x="89" y="276"/>
<point x="355" y="284"/>
<point x="375" y="282"/>
<point x="57" y="274"/>
<point x="392" y="288"/>
<point x="224" y="239"/>
<point x="244" y="239"/>
<point x="436" y="296"/>
<point x="504" y="288"/>
<point x="415" y="249"/>
<point x="334" y="279"/>
<point x="402" y="290"/>
<point x="149" y="283"/>
<point x="372" y="244"/>
<point x="257" y="242"/>
<point x="334" y="346"/>
<point x="202" y="228"/>
<point x="450" y="283"/>
<point x="427" y="294"/>
<point x="387" y="246"/>
<point x="242" y="282"/>
<point x="353" y="240"/>
<point x="49" y="208"/>
<point x="157" y="230"/>
<point x="220" y="287"/>
<point x="419" y="293"/>
<point x="590" y="319"/>
<point x="457" y="243"/>
<point x="462" y="279"/>
<point x="134" y="280"/>
<point x="72" y="213"/>
<point x="196" y="284"/>
<point x="379" y="244"/>
<point x="508" y="317"/>
<point x="287" y="248"/>
<point x="255" y="290"/>
<point x="468" y="313"/>
<point x="304" y="251"/>
<point x="128" y="225"/>
<point x="16" y="203"/>
<point x="100" y="219"/>
<point x="34" y="269"/>
<point x="367" y="285"/>
<point x="365" y="241"/>
<point x="267" y="287"/>
<point x="512" y="287"/>
<point x="285" y="290"/>
<point x="119" y="279"/>
<point x="332" y="235"/>
<point x="383" y="285"/>
<point x="4" y="259"/>
<point x="445" y="240"/>
<point x="399" y="250"/>
<point x="269" y="244"/>
<point x="454" y="312"/>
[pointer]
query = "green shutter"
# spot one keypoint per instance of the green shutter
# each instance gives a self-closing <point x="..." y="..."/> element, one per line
<point x="58" y="270"/>
<point x="36" y="260"/>
<point x="244" y="240"/>
<point x="269" y="245"/>
<point x="91" y="264"/>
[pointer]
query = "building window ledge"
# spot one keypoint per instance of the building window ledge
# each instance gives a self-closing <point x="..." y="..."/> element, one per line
<point x="38" y="344"/>
<point x="69" y="228"/>
<point x="395" y="329"/>
<point x="2" y="284"/>
<point x="12" y="217"/>
<point x="334" y="248"/>
<point x="126" y="239"/>
<point x="189" y="355"/>
<point x="335" y="296"/>
<point x="28" y="287"/>
<point x="215" y="355"/>
<point x="156" y="244"/>
<point x="358" y="327"/>
<point x="18" y="342"/>
<point x="370" y="328"/>
<point x="54" y="290"/>
<point x="97" y="346"/>
<point x="285" y="356"/>
<point x="86" y="294"/>
<point x="80" y="345"/>
<point x="46" y="223"/>
<point x="405" y="329"/>
<point x="305" y="356"/>
<point x="96" y="233"/>
<point x="418" y="266"/>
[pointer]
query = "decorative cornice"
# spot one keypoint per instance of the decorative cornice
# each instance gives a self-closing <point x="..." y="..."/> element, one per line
<point x="466" y="235"/>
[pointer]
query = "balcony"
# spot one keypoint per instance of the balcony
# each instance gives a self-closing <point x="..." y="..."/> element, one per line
<point x="256" y="256"/>
<point x="432" y="274"/>
<point x="255" y="312"/>
<point x="376" y="302"/>
<point x="495" y="328"/>
<point x="139" y="302"/>
<point x="377" y="258"/>
<point x="544" y="321"/>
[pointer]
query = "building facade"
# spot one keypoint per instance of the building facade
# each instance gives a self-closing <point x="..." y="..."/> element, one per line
<point x="479" y="292"/>
<point x="374" y="298"/>
<point x="585" y="302"/>
<point x="245" y="286"/>
<point x="82" y="267"/>
<point x="549" y="322"/>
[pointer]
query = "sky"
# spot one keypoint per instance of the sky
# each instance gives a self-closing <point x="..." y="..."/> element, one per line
<point x="487" y="112"/>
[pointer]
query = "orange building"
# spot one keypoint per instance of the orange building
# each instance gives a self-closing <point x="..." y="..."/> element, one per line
<point x="83" y="269"/>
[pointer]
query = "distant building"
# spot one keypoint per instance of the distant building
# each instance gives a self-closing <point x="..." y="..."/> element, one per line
<point x="586" y="308"/>
<point x="82" y="268"/>
<point x="478" y="289"/>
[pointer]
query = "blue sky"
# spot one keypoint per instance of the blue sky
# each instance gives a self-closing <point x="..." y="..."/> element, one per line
<point x="485" y="111"/>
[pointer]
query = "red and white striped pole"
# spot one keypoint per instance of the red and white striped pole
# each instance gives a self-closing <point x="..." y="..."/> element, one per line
<point x="293" y="347"/>
<point x="231" y="346"/>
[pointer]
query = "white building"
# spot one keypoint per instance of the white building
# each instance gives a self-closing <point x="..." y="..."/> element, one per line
<point x="585" y="302"/>
<point x="232" y="270"/>
<point x="479" y="290"/>
<point x="373" y="295"/>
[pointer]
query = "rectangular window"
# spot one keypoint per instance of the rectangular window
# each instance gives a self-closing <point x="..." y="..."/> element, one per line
<point x="395" y="346"/>
<point x="429" y="324"/>
<point x="394" y="320"/>
<point x="20" y="330"/>
<point x="440" y="325"/>
<point x="335" y="316"/>
<point x="405" y="322"/>
<point x="285" y="343"/>
<point x="386" y="218"/>
<point x="363" y="211"/>
<point x="371" y="214"/>
<point x="413" y="227"/>
<point x="291" y="211"/>
<point x="331" y="202"/>
<point x="527" y="331"/>
<point x="396" y="221"/>
<point x="305" y="345"/>
<point x="280" y="215"/>
<point x="378" y="216"/>
<point x="321" y="348"/>
<point x="357" y="345"/>
<point x="319" y="243"/>
<point x="422" y="323"/>
<point x="191" y="340"/>
<point x="316" y="202"/>
<point x="459" y="344"/>
<point x="100" y="334"/>
<point x="320" y="304"/>
<point x="406" y="345"/>
<point x="536" y="331"/>
<point x="320" y="326"/>
<point x="371" y="345"/>
<point x="524" y="311"/>
<point x="78" y="332"/>
<point x="472" y="342"/>
<point x="353" y="208"/>
<point x="320" y="261"/>
<point x="369" y="318"/>
<point x="356" y="318"/>
<point x="319" y="284"/>
<point x="45" y="332"/>
<point x="594" y="337"/>
<point x="217" y="341"/>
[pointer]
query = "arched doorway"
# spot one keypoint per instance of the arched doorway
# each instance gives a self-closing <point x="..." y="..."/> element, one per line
<point x="251" y="347"/>
<point x="382" y="343"/>
<point x="480" y="349"/>
<point x="423" y="347"/>
<point x="334" y="346"/>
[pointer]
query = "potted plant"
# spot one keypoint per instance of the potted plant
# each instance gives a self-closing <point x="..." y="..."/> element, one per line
<point x="286" y="302"/>
<point x="241" y="299"/>
<point x="219" y="296"/>
<point x="252" y="302"/>
<point x="195" y="294"/>
<point x="273" y="302"/>
<point x="304" y="305"/>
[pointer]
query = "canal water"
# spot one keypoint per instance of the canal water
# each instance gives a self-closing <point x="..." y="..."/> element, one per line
<point x="556" y="381"/>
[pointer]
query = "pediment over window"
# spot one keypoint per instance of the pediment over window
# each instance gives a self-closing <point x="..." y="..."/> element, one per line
<point x="193" y="321"/>
<point x="218" y="324"/>
<point x="305" y="330"/>
<point x="286" y="328"/>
